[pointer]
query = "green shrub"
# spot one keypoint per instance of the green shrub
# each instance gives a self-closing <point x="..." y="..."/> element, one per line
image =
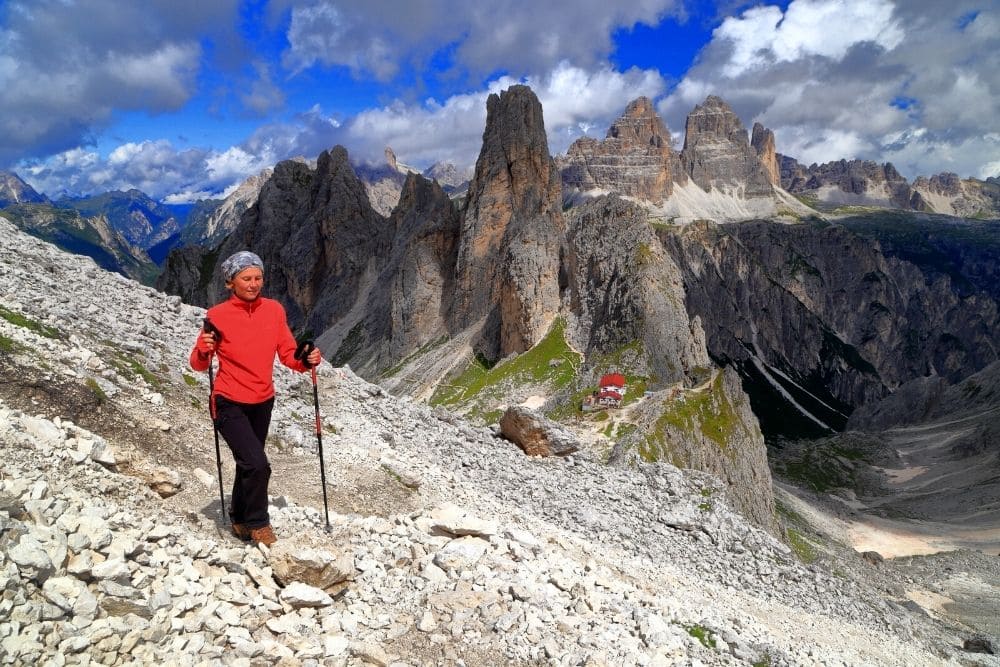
<point x="702" y="634"/>
<point x="21" y="321"/>
<point x="96" y="390"/>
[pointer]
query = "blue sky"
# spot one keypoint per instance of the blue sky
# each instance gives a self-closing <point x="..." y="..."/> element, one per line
<point x="186" y="98"/>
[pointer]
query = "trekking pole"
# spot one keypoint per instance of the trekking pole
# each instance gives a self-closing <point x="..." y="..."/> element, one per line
<point x="208" y="326"/>
<point x="303" y="350"/>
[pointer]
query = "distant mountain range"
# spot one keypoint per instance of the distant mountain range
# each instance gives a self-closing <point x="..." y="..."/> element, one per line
<point x="721" y="174"/>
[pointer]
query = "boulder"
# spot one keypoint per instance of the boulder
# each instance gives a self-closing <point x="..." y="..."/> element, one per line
<point x="165" y="482"/>
<point x="292" y="561"/>
<point x="535" y="434"/>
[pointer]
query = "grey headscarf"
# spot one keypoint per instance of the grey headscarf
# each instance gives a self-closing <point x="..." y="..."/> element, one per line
<point x="236" y="262"/>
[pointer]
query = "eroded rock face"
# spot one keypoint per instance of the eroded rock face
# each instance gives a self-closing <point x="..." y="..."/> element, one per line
<point x="851" y="182"/>
<point x="318" y="236"/>
<point x="508" y="257"/>
<point x="826" y="309"/>
<point x="623" y="287"/>
<point x="635" y="159"/>
<point x="762" y="140"/>
<point x="407" y="307"/>
<point x="718" y="155"/>
<point x="711" y="428"/>
<point x="182" y="274"/>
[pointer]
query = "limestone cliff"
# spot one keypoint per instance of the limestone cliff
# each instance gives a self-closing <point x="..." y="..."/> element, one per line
<point x="947" y="193"/>
<point x="851" y="182"/>
<point x="624" y="288"/>
<point x="818" y="315"/>
<point x="407" y="306"/>
<point x="712" y="428"/>
<point x="717" y="153"/>
<point x="186" y="273"/>
<point x="319" y="237"/>
<point x="635" y="158"/>
<point x="762" y="140"/>
<point x="512" y="229"/>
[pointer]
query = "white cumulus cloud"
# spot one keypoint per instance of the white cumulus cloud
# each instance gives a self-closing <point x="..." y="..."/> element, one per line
<point x="833" y="78"/>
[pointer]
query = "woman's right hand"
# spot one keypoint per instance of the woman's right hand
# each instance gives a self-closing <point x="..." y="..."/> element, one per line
<point x="206" y="343"/>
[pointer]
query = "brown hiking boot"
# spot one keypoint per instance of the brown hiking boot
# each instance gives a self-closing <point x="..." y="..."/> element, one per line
<point x="241" y="531"/>
<point x="263" y="535"/>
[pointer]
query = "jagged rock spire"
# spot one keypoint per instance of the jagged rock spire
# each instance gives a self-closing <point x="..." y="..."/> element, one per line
<point x="717" y="154"/>
<point x="508" y="258"/>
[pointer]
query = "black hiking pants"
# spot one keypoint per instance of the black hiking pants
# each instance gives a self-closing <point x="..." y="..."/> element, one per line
<point x="244" y="427"/>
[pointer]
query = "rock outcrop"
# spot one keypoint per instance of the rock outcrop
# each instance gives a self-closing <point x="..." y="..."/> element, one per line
<point x="851" y="182"/>
<point x="762" y="140"/>
<point x="717" y="153"/>
<point x="13" y="190"/>
<point x="512" y="229"/>
<point x="624" y="288"/>
<point x="186" y="273"/>
<point x="711" y="428"/>
<point x="210" y="229"/>
<point x="635" y="158"/>
<point x="536" y="435"/>
<point x="321" y="241"/>
<point x="407" y="306"/>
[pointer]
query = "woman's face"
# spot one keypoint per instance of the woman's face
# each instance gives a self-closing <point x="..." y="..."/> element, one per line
<point x="246" y="284"/>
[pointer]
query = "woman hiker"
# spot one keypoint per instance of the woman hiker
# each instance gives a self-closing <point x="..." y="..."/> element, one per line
<point x="251" y="329"/>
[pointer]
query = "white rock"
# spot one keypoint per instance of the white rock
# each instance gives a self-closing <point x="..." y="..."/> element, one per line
<point x="206" y="479"/>
<point x="298" y="595"/>
<point x="454" y="520"/>
<point x="461" y="553"/>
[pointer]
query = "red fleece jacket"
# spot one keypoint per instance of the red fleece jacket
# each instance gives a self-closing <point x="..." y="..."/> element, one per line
<point x="252" y="332"/>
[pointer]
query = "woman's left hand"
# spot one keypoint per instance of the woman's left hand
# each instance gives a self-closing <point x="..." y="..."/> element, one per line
<point x="314" y="357"/>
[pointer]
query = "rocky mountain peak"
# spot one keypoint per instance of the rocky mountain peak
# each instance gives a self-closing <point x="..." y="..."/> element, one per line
<point x="640" y="125"/>
<point x="508" y="259"/>
<point x="718" y="155"/>
<point x="13" y="190"/>
<point x="635" y="159"/>
<point x="390" y="158"/>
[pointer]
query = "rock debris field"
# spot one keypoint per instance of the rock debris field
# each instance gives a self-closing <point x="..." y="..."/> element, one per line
<point x="447" y="545"/>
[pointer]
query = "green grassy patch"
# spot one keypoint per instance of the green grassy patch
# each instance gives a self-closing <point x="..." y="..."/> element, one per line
<point x="644" y="255"/>
<point x="190" y="380"/>
<point x="480" y="379"/>
<point x="8" y="344"/>
<point x="709" y="412"/>
<point x="801" y="547"/>
<point x="127" y="365"/>
<point x="31" y="325"/>
<point x="623" y="360"/>
<point x="96" y="390"/>
<point x="702" y="634"/>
